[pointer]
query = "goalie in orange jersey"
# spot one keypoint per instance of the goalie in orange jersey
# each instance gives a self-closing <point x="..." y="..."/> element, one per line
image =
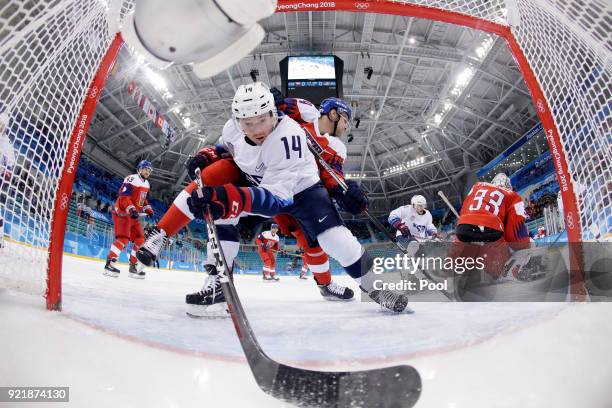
<point x="492" y="221"/>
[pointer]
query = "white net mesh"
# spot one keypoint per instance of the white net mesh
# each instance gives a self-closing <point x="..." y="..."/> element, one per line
<point x="49" y="53"/>
<point x="567" y="44"/>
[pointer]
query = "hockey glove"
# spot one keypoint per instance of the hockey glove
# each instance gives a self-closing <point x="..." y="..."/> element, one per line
<point x="149" y="211"/>
<point x="353" y="200"/>
<point x="286" y="106"/>
<point x="203" y="158"/>
<point x="291" y="109"/>
<point x="133" y="213"/>
<point x="225" y="201"/>
<point x="403" y="229"/>
<point x="278" y="96"/>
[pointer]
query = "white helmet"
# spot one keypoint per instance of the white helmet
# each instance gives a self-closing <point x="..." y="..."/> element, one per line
<point x="501" y="180"/>
<point x="418" y="200"/>
<point x="253" y="100"/>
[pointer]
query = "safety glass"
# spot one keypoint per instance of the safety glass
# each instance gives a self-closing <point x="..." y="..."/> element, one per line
<point x="344" y="116"/>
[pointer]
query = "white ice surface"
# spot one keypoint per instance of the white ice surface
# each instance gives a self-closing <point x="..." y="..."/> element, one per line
<point x="128" y="343"/>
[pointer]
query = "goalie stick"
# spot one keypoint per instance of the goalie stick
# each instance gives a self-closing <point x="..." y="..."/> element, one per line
<point x="397" y="386"/>
<point x="317" y="150"/>
<point x="448" y="203"/>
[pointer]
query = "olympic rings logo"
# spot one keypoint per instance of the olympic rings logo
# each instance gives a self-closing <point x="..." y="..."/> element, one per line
<point x="64" y="201"/>
<point x="570" y="221"/>
<point x="93" y="92"/>
<point x="362" y="6"/>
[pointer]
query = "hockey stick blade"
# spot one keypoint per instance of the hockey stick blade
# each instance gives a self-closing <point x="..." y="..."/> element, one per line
<point x="398" y="386"/>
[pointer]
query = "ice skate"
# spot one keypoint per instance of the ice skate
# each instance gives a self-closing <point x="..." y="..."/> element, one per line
<point x="135" y="273"/>
<point x="149" y="251"/>
<point x="333" y="291"/>
<point x="110" y="270"/>
<point x="210" y="301"/>
<point x="393" y="301"/>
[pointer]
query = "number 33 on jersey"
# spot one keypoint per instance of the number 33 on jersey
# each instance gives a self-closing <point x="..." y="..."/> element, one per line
<point x="494" y="207"/>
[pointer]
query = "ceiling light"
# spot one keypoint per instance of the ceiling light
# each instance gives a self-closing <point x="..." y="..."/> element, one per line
<point x="156" y="79"/>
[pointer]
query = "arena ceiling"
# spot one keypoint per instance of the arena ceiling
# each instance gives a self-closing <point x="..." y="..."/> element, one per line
<point x="442" y="101"/>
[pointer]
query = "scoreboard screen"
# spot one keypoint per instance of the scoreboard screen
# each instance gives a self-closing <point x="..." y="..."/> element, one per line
<point x="312" y="77"/>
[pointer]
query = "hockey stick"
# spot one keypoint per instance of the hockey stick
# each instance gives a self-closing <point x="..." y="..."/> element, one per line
<point x="443" y="196"/>
<point x="317" y="150"/>
<point x="398" y="386"/>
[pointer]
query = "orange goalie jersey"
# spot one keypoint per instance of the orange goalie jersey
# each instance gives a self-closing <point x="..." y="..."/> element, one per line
<point x="495" y="207"/>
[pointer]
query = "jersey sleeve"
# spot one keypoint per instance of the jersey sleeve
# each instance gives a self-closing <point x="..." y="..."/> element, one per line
<point x="306" y="112"/>
<point x="515" y="230"/>
<point x="430" y="228"/>
<point x="334" y="155"/>
<point x="329" y="155"/>
<point x="395" y="217"/>
<point x="224" y="143"/>
<point x="124" y="200"/>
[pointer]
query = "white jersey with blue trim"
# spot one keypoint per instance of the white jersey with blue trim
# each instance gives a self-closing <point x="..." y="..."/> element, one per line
<point x="282" y="164"/>
<point x="7" y="153"/>
<point x="420" y="225"/>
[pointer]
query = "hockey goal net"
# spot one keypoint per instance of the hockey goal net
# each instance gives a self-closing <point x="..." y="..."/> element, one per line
<point x="53" y="52"/>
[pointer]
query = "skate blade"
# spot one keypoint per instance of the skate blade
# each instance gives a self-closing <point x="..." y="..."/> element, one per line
<point x="216" y="311"/>
<point x="336" y="299"/>
<point x="407" y="310"/>
<point x="134" y="276"/>
<point x="110" y="274"/>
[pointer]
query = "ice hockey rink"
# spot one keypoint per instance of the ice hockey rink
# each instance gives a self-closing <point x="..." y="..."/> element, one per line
<point x="438" y="95"/>
<point x="128" y="343"/>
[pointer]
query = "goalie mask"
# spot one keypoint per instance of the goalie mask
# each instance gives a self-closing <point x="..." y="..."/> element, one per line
<point x="503" y="181"/>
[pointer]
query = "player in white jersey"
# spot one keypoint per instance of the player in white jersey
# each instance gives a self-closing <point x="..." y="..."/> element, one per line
<point x="273" y="156"/>
<point x="7" y="161"/>
<point x="413" y="221"/>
